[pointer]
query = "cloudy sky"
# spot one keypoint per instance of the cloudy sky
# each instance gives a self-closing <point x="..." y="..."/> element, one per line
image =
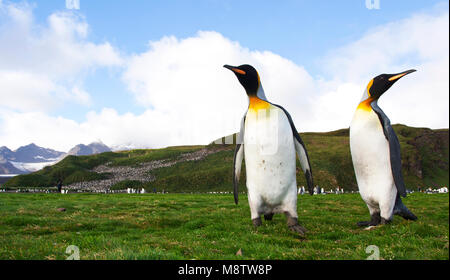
<point x="149" y="73"/>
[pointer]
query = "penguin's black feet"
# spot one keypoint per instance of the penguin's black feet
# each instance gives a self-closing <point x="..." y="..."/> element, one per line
<point x="294" y="225"/>
<point x="268" y="217"/>
<point x="298" y="229"/>
<point x="363" y="223"/>
<point x="257" y="222"/>
<point x="374" y="221"/>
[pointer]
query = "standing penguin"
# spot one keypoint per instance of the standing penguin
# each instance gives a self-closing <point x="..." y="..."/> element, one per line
<point x="376" y="155"/>
<point x="269" y="140"/>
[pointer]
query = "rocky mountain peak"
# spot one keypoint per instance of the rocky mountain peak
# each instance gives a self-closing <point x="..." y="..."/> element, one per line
<point x="85" y="150"/>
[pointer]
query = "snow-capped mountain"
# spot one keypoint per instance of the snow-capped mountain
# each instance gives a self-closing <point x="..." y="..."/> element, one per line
<point x="6" y="153"/>
<point x="32" y="158"/>
<point x="27" y="159"/>
<point x="35" y="154"/>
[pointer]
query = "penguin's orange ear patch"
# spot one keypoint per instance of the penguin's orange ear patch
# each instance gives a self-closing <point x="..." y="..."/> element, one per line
<point x="239" y="71"/>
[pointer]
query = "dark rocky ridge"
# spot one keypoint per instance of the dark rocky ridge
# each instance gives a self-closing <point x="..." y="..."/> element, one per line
<point x="7" y="168"/>
<point x="91" y="149"/>
<point x="33" y="153"/>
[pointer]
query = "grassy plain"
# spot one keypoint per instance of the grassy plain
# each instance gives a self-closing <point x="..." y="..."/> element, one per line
<point x="207" y="226"/>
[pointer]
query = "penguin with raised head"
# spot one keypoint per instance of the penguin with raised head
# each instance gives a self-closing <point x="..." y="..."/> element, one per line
<point x="375" y="151"/>
<point x="269" y="141"/>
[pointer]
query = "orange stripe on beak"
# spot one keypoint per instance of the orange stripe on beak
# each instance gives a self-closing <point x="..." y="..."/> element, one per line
<point x="397" y="77"/>
<point x="239" y="71"/>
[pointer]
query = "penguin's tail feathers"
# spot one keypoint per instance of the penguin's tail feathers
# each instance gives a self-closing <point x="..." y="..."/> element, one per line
<point x="405" y="214"/>
<point x="401" y="210"/>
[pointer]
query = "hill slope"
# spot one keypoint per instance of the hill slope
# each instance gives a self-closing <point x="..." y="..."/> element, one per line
<point x="425" y="154"/>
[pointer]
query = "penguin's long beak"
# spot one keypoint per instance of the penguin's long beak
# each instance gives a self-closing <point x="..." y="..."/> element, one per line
<point x="235" y="69"/>
<point x="395" y="77"/>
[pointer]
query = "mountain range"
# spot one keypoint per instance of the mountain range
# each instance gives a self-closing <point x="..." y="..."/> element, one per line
<point x="31" y="157"/>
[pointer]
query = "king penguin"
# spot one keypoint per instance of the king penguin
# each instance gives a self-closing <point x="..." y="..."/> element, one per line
<point x="269" y="141"/>
<point x="375" y="151"/>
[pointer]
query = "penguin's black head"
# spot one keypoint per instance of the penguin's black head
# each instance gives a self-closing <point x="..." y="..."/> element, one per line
<point x="380" y="84"/>
<point x="247" y="76"/>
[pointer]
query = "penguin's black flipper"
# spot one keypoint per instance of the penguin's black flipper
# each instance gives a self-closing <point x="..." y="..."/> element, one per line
<point x="302" y="152"/>
<point x="237" y="161"/>
<point x="394" y="148"/>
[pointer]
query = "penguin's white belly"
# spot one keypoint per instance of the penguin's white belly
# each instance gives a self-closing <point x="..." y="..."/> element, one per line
<point x="269" y="158"/>
<point x="371" y="158"/>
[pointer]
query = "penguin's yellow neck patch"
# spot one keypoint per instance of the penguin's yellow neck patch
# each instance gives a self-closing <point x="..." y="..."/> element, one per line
<point x="365" y="105"/>
<point x="257" y="104"/>
<point x="369" y="86"/>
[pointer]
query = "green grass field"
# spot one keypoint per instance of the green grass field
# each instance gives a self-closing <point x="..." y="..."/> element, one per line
<point x="202" y="226"/>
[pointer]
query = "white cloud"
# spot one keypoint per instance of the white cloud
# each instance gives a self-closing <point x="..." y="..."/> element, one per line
<point x="421" y="99"/>
<point x="62" y="134"/>
<point x="183" y="78"/>
<point x="18" y="129"/>
<point x="186" y="80"/>
<point x="18" y="86"/>
<point x="150" y="129"/>
<point x="79" y="96"/>
<point x="44" y="65"/>
<point x="406" y="42"/>
<point x="190" y="99"/>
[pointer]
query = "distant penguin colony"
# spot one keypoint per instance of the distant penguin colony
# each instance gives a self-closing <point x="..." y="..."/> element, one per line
<point x="269" y="141"/>
<point x="375" y="151"/>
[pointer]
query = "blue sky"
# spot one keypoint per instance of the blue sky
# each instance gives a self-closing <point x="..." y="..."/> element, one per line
<point x="298" y="30"/>
<point x="309" y="34"/>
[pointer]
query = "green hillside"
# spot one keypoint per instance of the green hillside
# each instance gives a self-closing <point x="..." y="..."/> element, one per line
<point x="425" y="155"/>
